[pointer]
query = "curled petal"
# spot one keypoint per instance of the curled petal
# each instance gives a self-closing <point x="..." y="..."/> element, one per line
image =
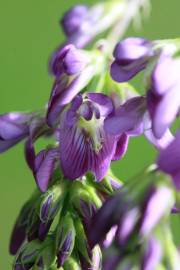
<point x="121" y="146"/>
<point x="121" y="73"/>
<point x="44" y="167"/>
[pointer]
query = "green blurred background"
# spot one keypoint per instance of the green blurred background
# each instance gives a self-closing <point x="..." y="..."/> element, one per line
<point x="29" y="32"/>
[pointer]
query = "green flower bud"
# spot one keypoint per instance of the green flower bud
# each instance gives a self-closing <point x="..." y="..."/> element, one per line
<point x="65" y="238"/>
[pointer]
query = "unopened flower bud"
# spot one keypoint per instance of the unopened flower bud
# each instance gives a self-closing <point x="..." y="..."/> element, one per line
<point x="65" y="238"/>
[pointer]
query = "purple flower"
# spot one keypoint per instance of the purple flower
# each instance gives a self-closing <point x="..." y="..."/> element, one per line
<point x="84" y="145"/>
<point x="128" y="118"/>
<point x="77" y="24"/>
<point x="73" y="19"/>
<point x="169" y="160"/>
<point x="161" y="143"/>
<point x="68" y="60"/>
<point x="14" y="127"/>
<point x="163" y="98"/>
<point x="131" y="56"/>
<point x="42" y="165"/>
<point x="73" y="71"/>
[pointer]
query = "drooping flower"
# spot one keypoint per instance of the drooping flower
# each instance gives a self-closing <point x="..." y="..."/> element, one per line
<point x="163" y="98"/>
<point x="84" y="145"/>
<point x="14" y="127"/>
<point x="131" y="56"/>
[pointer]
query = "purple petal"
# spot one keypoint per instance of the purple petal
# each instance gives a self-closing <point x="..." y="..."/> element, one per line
<point x="153" y="255"/>
<point x="110" y="237"/>
<point x="17" y="238"/>
<point x="45" y="167"/>
<point x="5" y="145"/>
<point x="99" y="163"/>
<point x="44" y="229"/>
<point x="127" y="225"/>
<point x="165" y="75"/>
<point x="169" y="160"/>
<point x="62" y="98"/>
<point x="127" y="118"/>
<point x="75" y="61"/>
<point x="105" y="219"/>
<point x="158" y="143"/>
<point x="104" y="103"/>
<point x="152" y="213"/>
<point x="73" y="149"/>
<point x="77" y="152"/>
<point x="121" y="73"/>
<point x="131" y="48"/>
<point x="165" y="114"/>
<point x="30" y="155"/>
<point x="121" y="147"/>
<point x="56" y="62"/>
<point x="73" y="19"/>
<point x="13" y="125"/>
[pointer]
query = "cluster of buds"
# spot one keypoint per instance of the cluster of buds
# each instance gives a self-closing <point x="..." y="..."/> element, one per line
<point x="81" y="216"/>
<point x="133" y="225"/>
<point x="52" y="228"/>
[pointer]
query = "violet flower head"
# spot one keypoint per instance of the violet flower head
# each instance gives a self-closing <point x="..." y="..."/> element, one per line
<point x="131" y="56"/>
<point x="163" y="98"/>
<point x="128" y="118"/>
<point x="84" y="145"/>
<point x="169" y="160"/>
<point x="14" y="127"/>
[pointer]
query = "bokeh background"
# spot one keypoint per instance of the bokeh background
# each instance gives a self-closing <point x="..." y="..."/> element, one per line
<point x="29" y="32"/>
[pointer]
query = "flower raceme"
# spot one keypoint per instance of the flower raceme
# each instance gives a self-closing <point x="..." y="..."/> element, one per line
<point x="84" y="145"/>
